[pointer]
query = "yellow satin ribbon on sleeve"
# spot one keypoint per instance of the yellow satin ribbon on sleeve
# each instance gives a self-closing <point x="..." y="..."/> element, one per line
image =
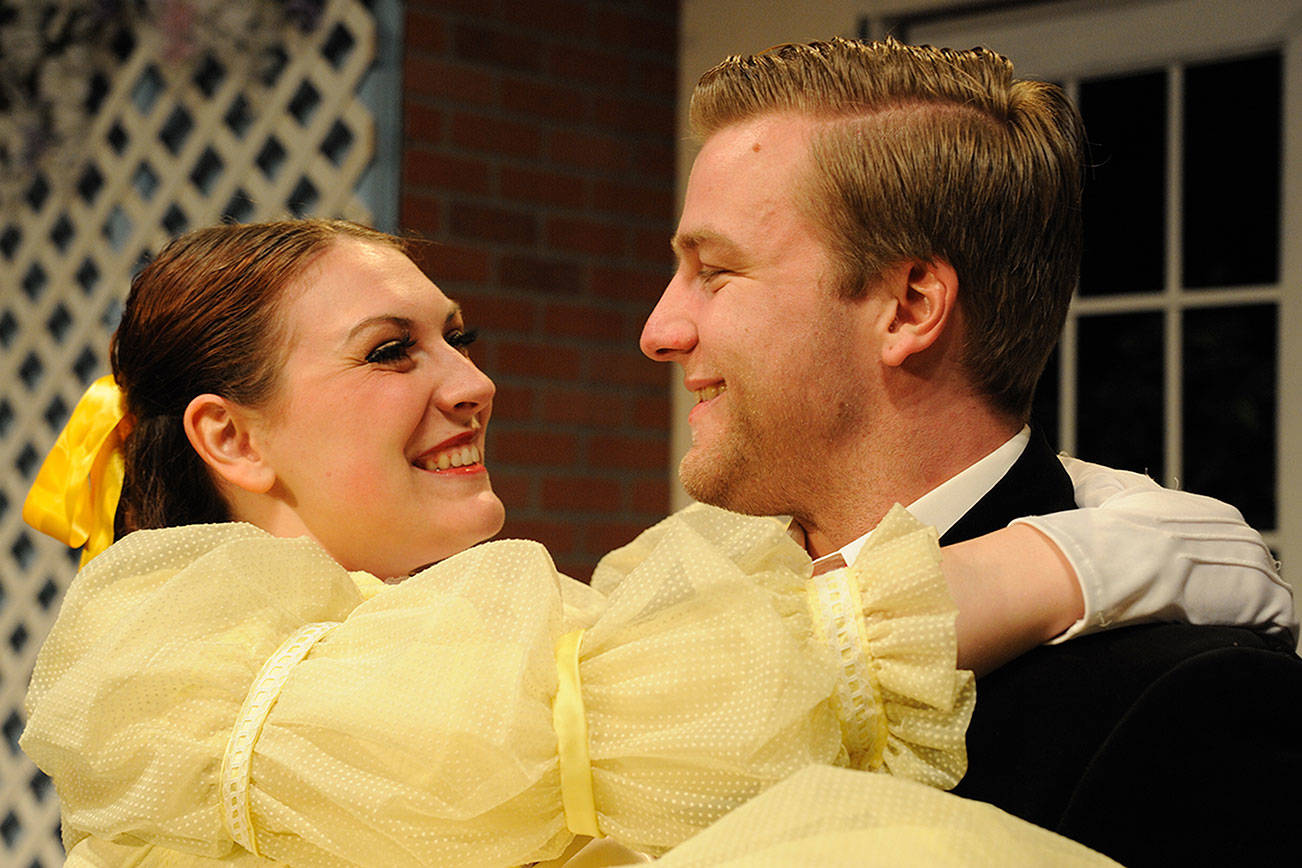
<point x="570" y="721"/>
<point x="75" y="496"/>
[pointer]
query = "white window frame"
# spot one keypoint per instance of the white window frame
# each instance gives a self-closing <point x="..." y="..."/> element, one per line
<point x="1070" y="42"/>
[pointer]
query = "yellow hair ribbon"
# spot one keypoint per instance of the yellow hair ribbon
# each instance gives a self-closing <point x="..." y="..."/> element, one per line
<point x="571" y="726"/>
<point x="75" y="495"/>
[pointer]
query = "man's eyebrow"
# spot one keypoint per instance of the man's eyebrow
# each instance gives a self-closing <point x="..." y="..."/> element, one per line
<point x="690" y="241"/>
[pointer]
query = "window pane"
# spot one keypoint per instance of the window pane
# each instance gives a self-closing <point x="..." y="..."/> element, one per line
<point x="1119" y="391"/>
<point x="1125" y="187"/>
<point x="1231" y="172"/>
<point x="1229" y="407"/>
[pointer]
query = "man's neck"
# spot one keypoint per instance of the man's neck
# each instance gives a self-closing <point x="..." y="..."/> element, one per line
<point x="898" y="468"/>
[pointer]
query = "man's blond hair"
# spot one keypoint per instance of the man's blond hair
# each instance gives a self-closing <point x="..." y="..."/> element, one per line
<point x="930" y="154"/>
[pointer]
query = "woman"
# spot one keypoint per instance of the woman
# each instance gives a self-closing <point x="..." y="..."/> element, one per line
<point x="231" y="691"/>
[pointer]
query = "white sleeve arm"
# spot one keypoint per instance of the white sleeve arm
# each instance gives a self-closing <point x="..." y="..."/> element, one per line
<point x="1145" y="553"/>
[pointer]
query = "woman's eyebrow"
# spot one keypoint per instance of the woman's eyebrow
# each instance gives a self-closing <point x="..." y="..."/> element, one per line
<point x="383" y="319"/>
<point x="401" y="322"/>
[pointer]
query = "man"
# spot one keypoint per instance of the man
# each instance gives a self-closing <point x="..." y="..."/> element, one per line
<point x="877" y="249"/>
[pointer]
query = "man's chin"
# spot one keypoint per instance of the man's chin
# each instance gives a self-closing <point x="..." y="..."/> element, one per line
<point x="711" y="479"/>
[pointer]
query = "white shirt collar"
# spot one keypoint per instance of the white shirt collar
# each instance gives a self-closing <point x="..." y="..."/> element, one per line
<point x="945" y="504"/>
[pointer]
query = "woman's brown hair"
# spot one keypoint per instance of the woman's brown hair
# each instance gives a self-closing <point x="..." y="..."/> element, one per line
<point x="204" y="317"/>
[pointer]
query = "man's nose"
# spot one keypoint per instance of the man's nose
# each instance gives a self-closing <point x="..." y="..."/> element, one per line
<point x="671" y="328"/>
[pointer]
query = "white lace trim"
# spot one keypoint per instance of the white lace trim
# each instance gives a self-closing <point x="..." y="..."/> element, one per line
<point x="237" y="761"/>
<point x="834" y="603"/>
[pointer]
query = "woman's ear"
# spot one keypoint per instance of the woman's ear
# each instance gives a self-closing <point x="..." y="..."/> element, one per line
<point x="221" y="432"/>
<point x="923" y="297"/>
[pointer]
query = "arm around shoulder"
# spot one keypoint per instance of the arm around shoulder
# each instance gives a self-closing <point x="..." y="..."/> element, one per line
<point x="1145" y="553"/>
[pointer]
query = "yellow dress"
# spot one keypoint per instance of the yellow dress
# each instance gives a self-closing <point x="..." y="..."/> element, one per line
<point x="212" y="684"/>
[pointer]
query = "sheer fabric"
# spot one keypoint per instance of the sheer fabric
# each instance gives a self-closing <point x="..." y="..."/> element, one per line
<point x="837" y="818"/>
<point x="417" y="729"/>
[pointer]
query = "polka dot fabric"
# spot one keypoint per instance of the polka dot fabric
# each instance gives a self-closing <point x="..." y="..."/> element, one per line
<point x="419" y="730"/>
<point x="839" y="818"/>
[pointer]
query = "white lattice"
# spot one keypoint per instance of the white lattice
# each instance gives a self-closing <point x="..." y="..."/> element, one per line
<point x="169" y="148"/>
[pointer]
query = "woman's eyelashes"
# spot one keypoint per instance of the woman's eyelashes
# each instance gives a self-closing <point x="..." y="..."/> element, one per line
<point x="392" y="352"/>
<point x="398" y="351"/>
<point x="461" y="339"/>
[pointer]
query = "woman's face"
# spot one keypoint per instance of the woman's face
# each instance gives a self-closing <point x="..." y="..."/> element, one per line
<point x="376" y="431"/>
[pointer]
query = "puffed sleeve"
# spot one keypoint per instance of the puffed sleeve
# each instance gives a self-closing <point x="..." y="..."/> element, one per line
<point x="886" y="624"/>
<point x="1147" y="553"/>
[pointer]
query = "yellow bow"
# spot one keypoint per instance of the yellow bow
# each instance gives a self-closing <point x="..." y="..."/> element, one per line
<point x="75" y="495"/>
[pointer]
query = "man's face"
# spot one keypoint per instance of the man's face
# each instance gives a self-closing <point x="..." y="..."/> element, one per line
<point x="776" y="358"/>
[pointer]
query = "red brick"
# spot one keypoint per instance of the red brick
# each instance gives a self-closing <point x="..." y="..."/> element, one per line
<point x="582" y="321"/>
<point x="649" y="496"/>
<point x="533" y="448"/>
<point x="424" y="31"/>
<point x="632" y="453"/>
<point x="615" y="27"/>
<point x="542" y="274"/>
<point x="423" y="167"/>
<point x="634" y="321"/>
<point x="539" y="360"/>
<point x="560" y="17"/>
<point x="627" y="368"/>
<point x="605" y="536"/>
<point x="577" y="566"/>
<point x="652" y="247"/>
<point x="652" y="414"/>
<point x="629" y="284"/>
<point x="423" y="125"/>
<point x="654" y="160"/>
<point x="453" y="262"/>
<point x="425" y="76"/>
<point x="599" y="68"/>
<point x="638" y="117"/>
<point x="543" y="187"/>
<point x="420" y="213"/>
<point x="643" y="200"/>
<point x="558" y="537"/>
<point x="658" y="32"/>
<point x="652" y="32"/>
<point x="659" y="76"/>
<point x="586" y="236"/>
<point x="573" y="405"/>
<point x="489" y="223"/>
<point x="580" y="494"/>
<point x="483" y="9"/>
<point x="497" y="48"/>
<point x="587" y="150"/>
<point x="495" y="136"/>
<point x="513" y="404"/>
<point x="515" y="490"/>
<point x="545" y="99"/>
<point x="499" y="314"/>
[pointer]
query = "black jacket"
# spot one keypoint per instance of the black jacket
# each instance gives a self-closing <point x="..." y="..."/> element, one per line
<point x="1167" y="744"/>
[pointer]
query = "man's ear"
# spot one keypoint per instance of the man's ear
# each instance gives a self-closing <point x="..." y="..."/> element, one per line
<point x="922" y="298"/>
<point x="221" y="432"/>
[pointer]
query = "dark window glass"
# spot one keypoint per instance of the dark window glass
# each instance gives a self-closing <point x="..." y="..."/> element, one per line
<point x="1125" y="185"/>
<point x="1231" y="173"/>
<point x="1229" y="407"/>
<point x="1119" y="391"/>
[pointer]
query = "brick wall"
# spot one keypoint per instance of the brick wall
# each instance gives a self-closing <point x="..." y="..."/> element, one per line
<point x="539" y="155"/>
